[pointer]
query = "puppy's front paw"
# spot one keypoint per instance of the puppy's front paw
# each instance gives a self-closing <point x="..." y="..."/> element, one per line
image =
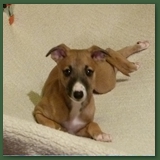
<point x="143" y="44"/>
<point x="103" y="137"/>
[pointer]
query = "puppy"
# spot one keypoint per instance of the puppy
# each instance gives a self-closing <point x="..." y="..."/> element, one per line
<point x="67" y="102"/>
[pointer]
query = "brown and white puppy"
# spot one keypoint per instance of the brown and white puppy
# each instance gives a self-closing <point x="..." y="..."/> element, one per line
<point x="67" y="102"/>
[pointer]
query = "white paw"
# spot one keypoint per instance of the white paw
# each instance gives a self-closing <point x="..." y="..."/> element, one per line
<point x="143" y="44"/>
<point x="103" y="137"/>
<point x="137" y="64"/>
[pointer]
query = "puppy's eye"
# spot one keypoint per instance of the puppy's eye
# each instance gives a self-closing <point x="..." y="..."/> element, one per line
<point x="67" y="72"/>
<point x="89" y="72"/>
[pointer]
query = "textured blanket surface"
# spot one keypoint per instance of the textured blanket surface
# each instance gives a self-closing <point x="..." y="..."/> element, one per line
<point x="127" y="112"/>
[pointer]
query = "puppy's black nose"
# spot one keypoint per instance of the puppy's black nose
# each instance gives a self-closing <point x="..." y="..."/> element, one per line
<point x="78" y="95"/>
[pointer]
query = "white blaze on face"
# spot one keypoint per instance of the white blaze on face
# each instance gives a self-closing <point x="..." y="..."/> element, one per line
<point x="79" y="88"/>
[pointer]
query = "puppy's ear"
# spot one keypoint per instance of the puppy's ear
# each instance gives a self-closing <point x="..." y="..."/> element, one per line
<point x="97" y="53"/>
<point x="59" y="52"/>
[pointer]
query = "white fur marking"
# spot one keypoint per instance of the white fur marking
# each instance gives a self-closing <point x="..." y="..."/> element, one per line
<point x="79" y="87"/>
<point x="103" y="137"/>
<point x="74" y="123"/>
<point x="143" y="44"/>
<point x="137" y="65"/>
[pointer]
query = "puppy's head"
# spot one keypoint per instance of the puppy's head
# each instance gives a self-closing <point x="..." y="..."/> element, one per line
<point x="77" y="69"/>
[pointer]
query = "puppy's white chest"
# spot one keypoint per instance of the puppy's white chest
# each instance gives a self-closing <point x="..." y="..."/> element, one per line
<point x="74" y="123"/>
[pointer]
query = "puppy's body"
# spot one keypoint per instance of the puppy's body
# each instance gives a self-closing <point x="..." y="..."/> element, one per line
<point x="67" y="100"/>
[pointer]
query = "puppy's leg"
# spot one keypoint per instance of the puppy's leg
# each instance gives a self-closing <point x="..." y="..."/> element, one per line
<point x="120" y="62"/>
<point x="92" y="130"/>
<point x="41" y="115"/>
<point x="129" y="50"/>
<point x="42" y="119"/>
<point x="119" y="58"/>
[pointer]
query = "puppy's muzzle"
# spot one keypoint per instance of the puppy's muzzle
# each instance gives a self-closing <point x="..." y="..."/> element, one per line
<point x="79" y="92"/>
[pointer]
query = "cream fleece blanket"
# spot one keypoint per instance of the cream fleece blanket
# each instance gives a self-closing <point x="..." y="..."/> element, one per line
<point x="127" y="112"/>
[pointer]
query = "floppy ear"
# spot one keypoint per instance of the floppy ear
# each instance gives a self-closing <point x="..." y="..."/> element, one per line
<point x="59" y="52"/>
<point x="97" y="53"/>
